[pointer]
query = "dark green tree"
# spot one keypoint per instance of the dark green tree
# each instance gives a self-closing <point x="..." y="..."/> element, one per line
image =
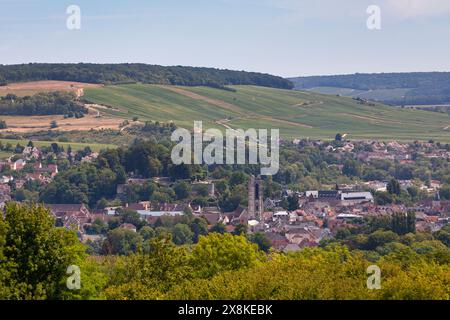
<point x="393" y="187"/>
<point x="34" y="254"/>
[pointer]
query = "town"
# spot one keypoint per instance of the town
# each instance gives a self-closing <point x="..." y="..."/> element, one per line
<point x="293" y="217"/>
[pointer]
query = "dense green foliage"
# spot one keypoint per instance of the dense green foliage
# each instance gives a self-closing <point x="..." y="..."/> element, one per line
<point x="421" y="87"/>
<point x="90" y="182"/>
<point x="413" y="266"/>
<point x="123" y="73"/>
<point x="80" y="185"/>
<point x="302" y="167"/>
<point x="41" y="104"/>
<point x="34" y="255"/>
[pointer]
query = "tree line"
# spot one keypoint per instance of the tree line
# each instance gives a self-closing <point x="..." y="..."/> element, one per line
<point x="48" y="103"/>
<point x="126" y="73"/>
<point x="425" y="87"/>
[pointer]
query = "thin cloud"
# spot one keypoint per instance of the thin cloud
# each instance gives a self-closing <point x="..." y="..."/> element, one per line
<point x="419" y="8"/>
<point x="318" y="8"/>
<point x="331" y="9"/>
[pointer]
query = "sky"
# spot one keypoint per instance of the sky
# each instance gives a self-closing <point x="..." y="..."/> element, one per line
<point x="281" y="37"/>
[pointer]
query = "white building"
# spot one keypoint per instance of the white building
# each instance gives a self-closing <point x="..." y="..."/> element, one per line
<point x="356" y="197"/>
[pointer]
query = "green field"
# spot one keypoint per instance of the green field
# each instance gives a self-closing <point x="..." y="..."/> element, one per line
<point x="74" y="145"/>
<point x="377" y="94"/>
<point x="297" y="114"/>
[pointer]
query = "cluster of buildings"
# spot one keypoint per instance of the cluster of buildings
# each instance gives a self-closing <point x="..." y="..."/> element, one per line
<point x="367" y="150"/>
<point x="31" y="157"/>
<point x="320" y="214"/>
<point x="402" y="153"/>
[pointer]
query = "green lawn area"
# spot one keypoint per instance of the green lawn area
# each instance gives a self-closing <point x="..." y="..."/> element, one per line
<point x="74" y="145"/>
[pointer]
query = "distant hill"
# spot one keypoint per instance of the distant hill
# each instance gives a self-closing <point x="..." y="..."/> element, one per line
<point x="298" y="114"/>
<point x="126" y="73"/>
<point x="416" y="88"/>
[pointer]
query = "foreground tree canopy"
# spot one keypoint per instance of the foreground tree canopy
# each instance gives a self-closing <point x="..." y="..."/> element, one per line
<point x="34" y="257"/>
<point x="34" y="254"/>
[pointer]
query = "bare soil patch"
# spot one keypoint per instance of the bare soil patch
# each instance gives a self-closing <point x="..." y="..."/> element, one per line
<point x="33" y="87"/>
<point x="22" y="124"/>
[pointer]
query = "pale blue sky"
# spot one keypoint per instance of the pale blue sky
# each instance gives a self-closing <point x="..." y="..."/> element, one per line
<point x="282" y="37"/>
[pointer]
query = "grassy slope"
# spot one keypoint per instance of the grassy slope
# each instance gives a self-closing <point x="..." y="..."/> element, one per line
<point x="379" y="94"/>
<point x="295" y="113"/>
<point x="74" y="145"/>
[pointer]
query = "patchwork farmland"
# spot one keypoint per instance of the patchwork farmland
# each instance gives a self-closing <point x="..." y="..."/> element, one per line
<point x="295" y="113"/>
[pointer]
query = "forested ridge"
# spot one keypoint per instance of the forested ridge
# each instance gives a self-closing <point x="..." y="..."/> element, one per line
<point x="124" y="73"/>
<point x="425" y="87"/>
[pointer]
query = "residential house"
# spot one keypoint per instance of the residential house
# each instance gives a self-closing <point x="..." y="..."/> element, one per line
<point x="128" y="226"/>
<point x="73" y="216"/>
<point x="18" y="165"/>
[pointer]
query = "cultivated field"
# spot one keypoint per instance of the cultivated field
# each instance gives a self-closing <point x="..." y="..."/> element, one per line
<point x="378" y="94"/>
<point x="33" y="87"/>
<point x="22" y="124"/>
<point x="296" y="113"/>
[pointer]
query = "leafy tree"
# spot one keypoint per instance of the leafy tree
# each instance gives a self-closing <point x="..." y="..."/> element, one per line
<point x="35" y="255"/>
<point x="102" y="203"/>
<point x="403" y="223"/>
<point x="202" y="190"/>
<point x="181" y="171"/>
<point x="229" y="202"/>
<point x="261" y="240"/>
<point x="393" y="187"/>
<point x="222" y="252"/>
<point x="97" y="227"/>
<point x="199" y="227"/>
<point x="182" y="234"/>
<point x="433" y="250"/>
<point x="219" y="228"/>
<point x="182" y="190"/>
<point x="44" y="103"/>
<point x="132" y="217"/>
<point x="122" y="242"/>
<point x="444" y="192"/>
<point x="240" y="230"/>
<point x="379" y="238"/>
<point x="383" y="198"/>
<point x="351" y="168"/>
<point x="292" y="203"/>
<point x="147" y="232"/>
<point x="149" y="275"/>
<point x="237" y="178"/>
<point x="443" y="235"/>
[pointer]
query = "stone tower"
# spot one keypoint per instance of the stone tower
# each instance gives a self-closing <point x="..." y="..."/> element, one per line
<point x="255" y="198"/>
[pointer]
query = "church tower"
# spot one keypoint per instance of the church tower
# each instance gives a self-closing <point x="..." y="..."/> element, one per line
<point x="255" y="198"/>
